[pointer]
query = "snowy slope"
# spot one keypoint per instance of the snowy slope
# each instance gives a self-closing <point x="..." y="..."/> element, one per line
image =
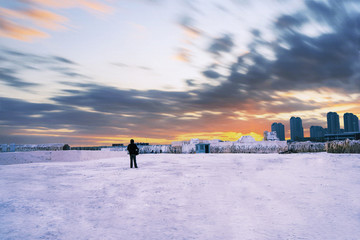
<point x="212" y="196"/>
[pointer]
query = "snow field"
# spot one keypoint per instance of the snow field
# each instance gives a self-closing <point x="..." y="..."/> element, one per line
<point x="182" y="196"/>
<point x="8" y="158"/>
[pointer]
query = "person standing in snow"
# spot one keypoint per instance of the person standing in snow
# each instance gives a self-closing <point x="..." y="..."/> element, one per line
<point x="133" y="151"/>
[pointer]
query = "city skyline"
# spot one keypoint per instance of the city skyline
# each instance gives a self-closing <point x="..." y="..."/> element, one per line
<point x="102" y="72"/>
<point x="350" y="125"/>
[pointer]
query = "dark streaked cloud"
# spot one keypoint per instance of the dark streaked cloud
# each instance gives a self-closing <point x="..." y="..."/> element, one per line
<point x="290" y="105"/>
<point x="17" y="62"/>
<point x="324" y="11"/>
<point x="224" y="43"/>
<point x="7" y="76"/>
<point x="63" y="60"/>
<point x="109" y="99"/>
<point x="290" y="21"/>
<point x="123" y="65"/>
<point x="24" y="114"/>
<point x="190" y="82"/>
<point x="19" y="112"/>
<point x="142" y="104"/>
<point x="67" y="72"/>
<point x="211" y="74"/>
<point x="295" y="60"/>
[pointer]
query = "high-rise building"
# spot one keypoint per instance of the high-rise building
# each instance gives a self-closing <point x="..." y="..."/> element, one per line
<point x="351" y="123"/>
<point x="317" y="132"/>
<point x="333" y="124"/>
<point x="296" y="129"/>
<point x="279" y="129"/>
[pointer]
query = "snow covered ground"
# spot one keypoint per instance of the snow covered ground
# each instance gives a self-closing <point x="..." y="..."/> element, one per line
<point x="197" y="196"/>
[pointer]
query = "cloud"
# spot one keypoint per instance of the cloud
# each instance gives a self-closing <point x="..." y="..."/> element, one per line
<point x="63" y="60"/>
<point x="190" y="82"/>
<point x="67" y="72"/>
<point x="18" y="112"/>
<point x="288" y="105"/>
<point x="103" y="112"/>
<point x="86" y="4"/>
<point x="183" y="55"/>
<point x="123" y="65"/>
<point x="299" y="61"/>
<point x="254" y="90"/>
<point x="187" y="25"/>
<point x="323" y="11"/>
<point x="155" y="104"/>
<point x="224" y="43"/>
<point x="26" y="24"/>
<point x="222" y="8"/>
<point x="120" y="64"/>
<point x="191" y="34"/>
<point x="211" y="74"/>
<point x="144" y="68"/>
<point x="9" y="29"/>
<point x="8" y="77"/>
<point x="289" y="21"/>
<point x="125" y="101"/>
<point x="17" y="63"/>
<point x="40" y="17"/>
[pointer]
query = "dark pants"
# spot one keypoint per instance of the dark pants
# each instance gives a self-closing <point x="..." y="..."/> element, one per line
<point x="133" y="159"/>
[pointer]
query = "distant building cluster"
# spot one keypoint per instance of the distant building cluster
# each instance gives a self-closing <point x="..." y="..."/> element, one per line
<point x="318" y="133"/>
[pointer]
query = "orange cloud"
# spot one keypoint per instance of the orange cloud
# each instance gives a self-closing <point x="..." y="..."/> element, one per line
<point x="42" y="18"/>
<point x="183" y="55"/>
<point x="86" y="4"/>
<point x="191" y="32"/>
<point x="14" y="23"/>
<point x="11" y="30"/>
<point x="47" y="19"/>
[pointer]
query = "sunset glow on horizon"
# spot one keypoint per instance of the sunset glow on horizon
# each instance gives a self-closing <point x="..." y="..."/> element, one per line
<point x="89" y="73"/>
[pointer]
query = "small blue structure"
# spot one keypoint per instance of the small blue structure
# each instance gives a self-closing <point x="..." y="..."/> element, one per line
<point x="12" y="147"/>
<point x="4" y="147"/>
<point x="202" y="148"/>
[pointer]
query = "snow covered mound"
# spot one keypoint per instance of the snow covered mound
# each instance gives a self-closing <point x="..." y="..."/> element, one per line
<point x="347" y="146"/>
<point x="249" y="147"/>
<point x="184" y="196"/>
<point x="302" y="147"/>
<point x="34" y="147"/>
<point x="239" y="147"/>
<point x="246" y="139"/>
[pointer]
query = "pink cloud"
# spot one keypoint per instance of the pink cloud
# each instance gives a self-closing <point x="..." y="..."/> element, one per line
<point x="86" y="4"/>
<point x="12" y="30"/>
<point x="26" y="24"/>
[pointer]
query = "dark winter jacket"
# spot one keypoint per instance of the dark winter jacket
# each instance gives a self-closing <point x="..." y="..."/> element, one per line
<point x="132" y="148"/>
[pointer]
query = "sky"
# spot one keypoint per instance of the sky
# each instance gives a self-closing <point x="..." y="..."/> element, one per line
<point x="88" y="72"/>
